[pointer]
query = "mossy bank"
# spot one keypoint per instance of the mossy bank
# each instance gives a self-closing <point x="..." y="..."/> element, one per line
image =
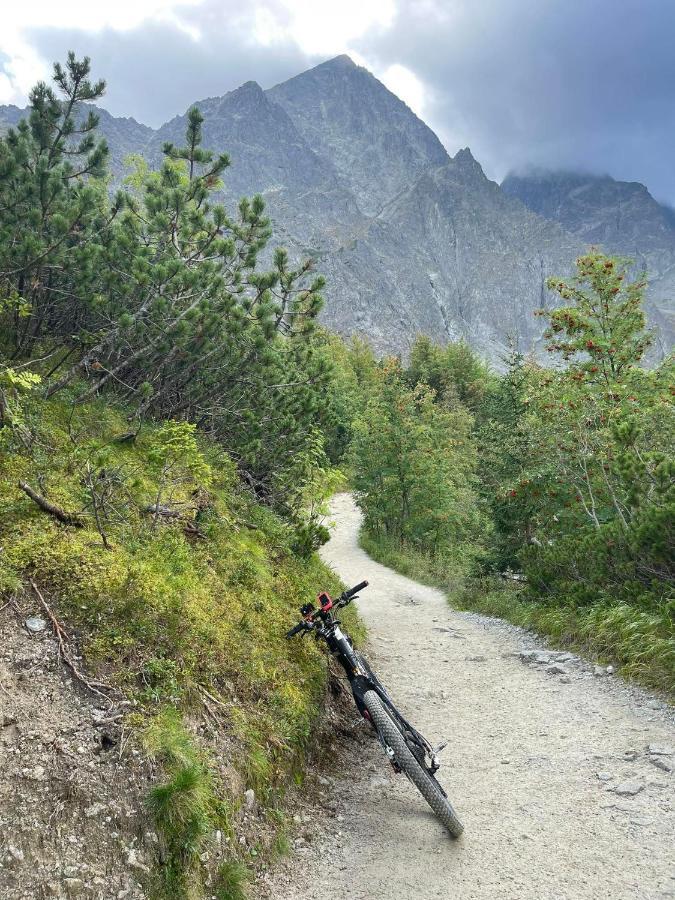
<point x="177" y="588"/>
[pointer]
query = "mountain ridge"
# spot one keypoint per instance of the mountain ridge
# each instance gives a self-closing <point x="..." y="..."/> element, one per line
<point x="410" y="239"/>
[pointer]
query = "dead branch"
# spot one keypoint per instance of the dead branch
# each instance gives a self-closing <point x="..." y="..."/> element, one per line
<point x="51" y="508"/>
<point x="168" y="512"/>
<point x="96" y="687"/>
<point x="205" y="697"/>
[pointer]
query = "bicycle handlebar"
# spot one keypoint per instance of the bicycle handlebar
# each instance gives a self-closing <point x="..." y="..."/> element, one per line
<point x="343" y="600"/>
<point x="350" y="593"/>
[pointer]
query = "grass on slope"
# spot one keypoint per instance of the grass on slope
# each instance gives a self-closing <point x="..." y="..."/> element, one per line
<point x="640" y="643"/>
<point x="168" y="616"/>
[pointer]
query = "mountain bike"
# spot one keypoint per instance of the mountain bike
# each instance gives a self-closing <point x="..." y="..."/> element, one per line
<point x="407" y="750"/>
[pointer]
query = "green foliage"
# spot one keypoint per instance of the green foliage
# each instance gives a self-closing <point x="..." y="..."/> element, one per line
<point x="604" y="325"/>
<point x="156" y="294"/>
<point x="412" y="467"/>
<point x="232" y="880"/>
<point x="453" y="372"/>
<point x="13" y="385"/>
<point x="563" y="474"/>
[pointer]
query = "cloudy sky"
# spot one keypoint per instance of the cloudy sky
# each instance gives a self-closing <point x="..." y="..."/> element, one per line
<point x="583" y="84"/>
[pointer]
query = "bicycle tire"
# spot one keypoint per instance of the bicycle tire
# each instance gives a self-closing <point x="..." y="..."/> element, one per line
<point x="425" y="783"/>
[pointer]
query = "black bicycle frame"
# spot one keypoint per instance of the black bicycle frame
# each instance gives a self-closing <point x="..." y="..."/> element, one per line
<point x="363" y="679"/>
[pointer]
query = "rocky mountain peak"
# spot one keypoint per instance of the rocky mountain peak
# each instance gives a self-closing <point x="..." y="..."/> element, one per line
<point x="465" y="162"/>
<point x="339" y="63"/>
<point x="377" y="144"/>
<point x="410" y="240"/>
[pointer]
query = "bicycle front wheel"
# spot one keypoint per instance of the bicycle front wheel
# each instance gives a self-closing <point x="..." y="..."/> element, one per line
<point x="425" y="783"/>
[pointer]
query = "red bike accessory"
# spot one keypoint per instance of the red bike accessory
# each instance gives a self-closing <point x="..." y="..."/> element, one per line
<point x="325" y="601"/>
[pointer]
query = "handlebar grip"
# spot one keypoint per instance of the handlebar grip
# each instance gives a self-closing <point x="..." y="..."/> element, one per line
<point x="299" y="627"/>
<point x="359" y="587"/>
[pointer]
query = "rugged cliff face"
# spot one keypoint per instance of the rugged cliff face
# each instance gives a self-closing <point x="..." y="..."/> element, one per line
<point x="410" y="240"/>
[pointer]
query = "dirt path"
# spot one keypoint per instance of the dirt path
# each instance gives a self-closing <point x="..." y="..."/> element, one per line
<point x="549" y="771"/>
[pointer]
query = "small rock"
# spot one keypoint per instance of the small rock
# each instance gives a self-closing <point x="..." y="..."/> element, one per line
<point x="135" y="860"/>
<point x="556" y="669"/>
<point x="660" y="763"/>
<point x="630" y="755"/>
<point x="15" y="853"/>
<point x="603" y="776"/>
<point x="599" y="671"/>
<point x="610" y="670"/>
<point x="94" y="810"/>
<point x="378" y="781"/>
<point x="660" y="750"/>
<point x="35" y="624"/>
<point x="627" y="788"/>
<point x="249" y="799"/>
<point x="566" y="679"/>
<point x="73" y="886"/>
<point x="475" y="658"/>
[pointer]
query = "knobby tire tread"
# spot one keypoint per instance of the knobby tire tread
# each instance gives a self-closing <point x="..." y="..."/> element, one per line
<point x="423" y="781"/>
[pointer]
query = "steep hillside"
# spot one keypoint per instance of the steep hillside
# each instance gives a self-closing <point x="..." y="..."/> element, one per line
<point x="146" y="683"/>
<point x="311" y="207"/>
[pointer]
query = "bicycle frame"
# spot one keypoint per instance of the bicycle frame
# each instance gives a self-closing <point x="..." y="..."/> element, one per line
<point x="362" y="678"/>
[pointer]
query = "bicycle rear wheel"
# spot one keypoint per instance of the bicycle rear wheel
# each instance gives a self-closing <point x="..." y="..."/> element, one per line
<point x="425" y="783"/>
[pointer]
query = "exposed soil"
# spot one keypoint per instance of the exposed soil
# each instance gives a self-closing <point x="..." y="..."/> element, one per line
<point x="561" y="772"/>
<point x="71" y="792"/>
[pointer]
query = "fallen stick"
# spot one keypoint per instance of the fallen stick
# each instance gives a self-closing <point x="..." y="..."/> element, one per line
<point x="51" y="508"/>
<point x="62" y="636"/>
<point x="168" y="512"/>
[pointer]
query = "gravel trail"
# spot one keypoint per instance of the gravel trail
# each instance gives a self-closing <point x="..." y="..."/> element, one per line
<point x="563" y="779"/>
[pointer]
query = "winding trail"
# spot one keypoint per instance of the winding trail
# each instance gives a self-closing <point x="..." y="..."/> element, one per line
<point x="549" y="771"/>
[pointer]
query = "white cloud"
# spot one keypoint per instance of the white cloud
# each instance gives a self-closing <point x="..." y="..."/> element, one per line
<point x="24" y="66"/>
<point x="322" y="27"/>
<point x="406" y="85"/>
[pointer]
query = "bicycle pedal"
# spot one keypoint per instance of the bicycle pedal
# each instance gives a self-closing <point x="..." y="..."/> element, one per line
<point x="436" y="751"/>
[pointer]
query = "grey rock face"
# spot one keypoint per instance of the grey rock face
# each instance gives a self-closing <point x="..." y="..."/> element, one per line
<point x="377" y="144"/>
<point x="628" y="788"/>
